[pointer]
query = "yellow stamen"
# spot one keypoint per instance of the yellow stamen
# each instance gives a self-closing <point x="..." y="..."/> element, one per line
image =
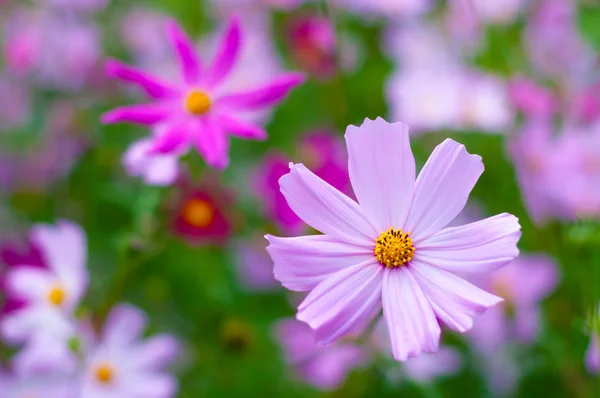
<point x="197" y="102"/>
<point x="394" y="248"/>
<point x="105" y="374"/>
<point x="56" y="295"/>
<point x="198" y="213"/>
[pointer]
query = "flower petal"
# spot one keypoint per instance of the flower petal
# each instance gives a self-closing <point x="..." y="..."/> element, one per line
<point x="442" y="188"/>
<point x="409" y="317"/>
<point x="227" y="55"/>
<point x="479" y="247"/>
<point x="382" y="170"/>
<point x="28" y="283"/>
<point x="212" y="142"/>
<point x="123" y="326"/>
<point x="454" y="300"/>
<point x="64" y="248"/>
<point x="325" y="208"/>
<point x="173" y="138"/>
<point x="301" y="263"/>
<point x="150" y="385"/>
<point x="156" y="352"/>
<point x="242" y="129"/>
<point x="344" y="302"/>
<point x="146" y="114"/>
<point x="264" y="96"/>
<point x="184" y="47"/>
<point x="155" y="168"/>
<point x="151" y="85"/>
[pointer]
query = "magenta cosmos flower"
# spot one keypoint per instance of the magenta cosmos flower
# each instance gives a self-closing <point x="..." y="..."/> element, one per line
<point x="390" y="250"/>
<point x="197" y="111"/>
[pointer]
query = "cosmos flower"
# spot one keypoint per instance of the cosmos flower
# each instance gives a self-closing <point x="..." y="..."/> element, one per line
<point x="323" y="367"/>
<point x="50" y="294"/>
<point x="390" y="250"/>
<point x="197" y="111"/>
<point x="200" y="215"/>
<point x="312" y="40"/>
<point x="123" y="364"/>
<point x="323" y="152"/>
<point x="531" y="99"/>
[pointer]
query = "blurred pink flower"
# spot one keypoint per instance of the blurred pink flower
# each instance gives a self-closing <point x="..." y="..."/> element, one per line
<point x="123" y="364"/>
<point x="142" y="33"/>
<point x="197" y="111"/>
<point x="312" y="41"/>
<point x="51" y="295"/>
<point x="59" y="52"/>
<point x="254" y="266"/>
<point x="392" y="250"/>
<point x="533" y="100"/>
<point x="154" y="168"/>
<point x="502" y="11"/>
<point x="533" y="150"/>
<point x="323" y="367"/>
<point x="323" y="152"/>
<point x="523" y="284"/>
<point x="554" y="44"/>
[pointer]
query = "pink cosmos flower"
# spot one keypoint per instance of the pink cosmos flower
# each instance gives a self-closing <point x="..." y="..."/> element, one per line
<point x="323" y="367"/>
<point x="154" y="168"/>
<point x="51" y="295"/>
<point x="320" y="150"/>
<point x="312" y="40"/>
<point x="197" y="111"/>
<point x="390" y="250"/>
<point x="123" y="364"/>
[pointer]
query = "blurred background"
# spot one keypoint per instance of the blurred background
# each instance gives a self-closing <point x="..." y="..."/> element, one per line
<point x="516" y="81"/>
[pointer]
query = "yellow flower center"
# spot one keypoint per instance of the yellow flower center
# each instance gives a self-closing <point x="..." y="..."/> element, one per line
<point x="105" y="373"/>
<point x="56" y="296"/>
<point x="197" y="102"/>
<point x="394" y="248"/>
<point x="198" y="213"/>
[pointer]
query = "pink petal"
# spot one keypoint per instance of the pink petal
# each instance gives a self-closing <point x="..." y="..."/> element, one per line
<point x="212" y="142"/>
<point x="150" y="385"/>
<point x="479" y="247"/>
<point x="325" y="208"/>
<point x="156" y="352"/>
<point x="343" y="302"/>
<point x="146" y="114"/>
<point x="410" y="319"/>
<point x="242" y="129"/>
<point x="152" y="86"/>
<point x="442" y="188"/>
<point x="64" y="248"/>
<point x="227" y="55"/>
<point x="173" y="138"/>
<point x="382" y="170"/>
<point x="28" y="283"/>
<point x="124" y="325"/>
<point x="301" y="263"/>
<point x="454" y="300"/>
<point x="155" y="168"/>
<point x="184" y="47"/>
<point x="592" y="354"/>
<point x="263" y="96"/>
